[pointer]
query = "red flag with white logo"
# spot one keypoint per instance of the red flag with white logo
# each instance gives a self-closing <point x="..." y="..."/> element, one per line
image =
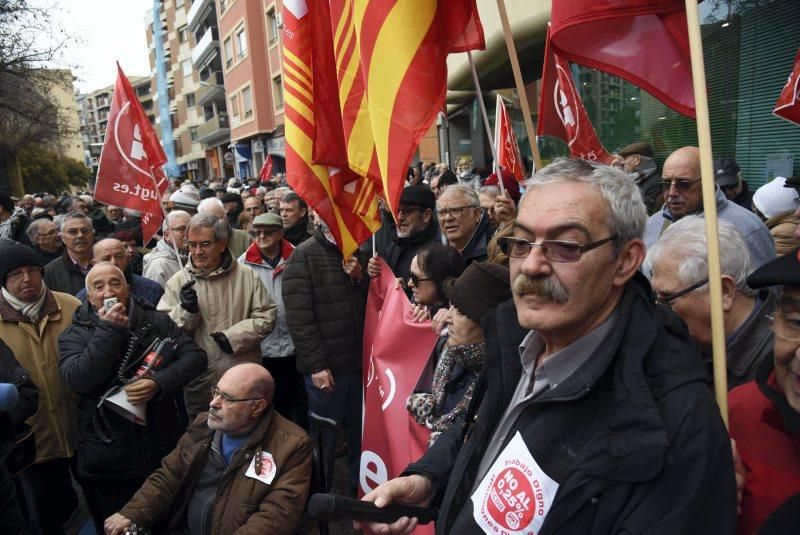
<point x="561" y="111"/>
<point x="788" y="105"/>
<point x="266" y="169"/>
<point x="396" y="349"/>
<point x="509" y="157"/>
<point x="130" y="173"/>
<point x="646" y="42"/>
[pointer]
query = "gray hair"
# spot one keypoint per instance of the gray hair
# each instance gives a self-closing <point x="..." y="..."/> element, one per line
<point x="73" y="215"/>
<point x="33" y="229"/>
<point x="206" y="220"/>
<point x="468" y="192"/>
<point x="685" y="241"/>
<point x="627" y="215"/>
<point x="172" y="215"/>
<point x="210" y="202"/>
<point x="494" y="191"/>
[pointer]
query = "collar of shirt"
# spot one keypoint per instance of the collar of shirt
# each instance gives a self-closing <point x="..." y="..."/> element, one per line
<point x="563" y="363"/>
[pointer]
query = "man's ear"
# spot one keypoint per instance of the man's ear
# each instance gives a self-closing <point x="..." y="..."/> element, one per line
<point x="728" y="292"/>
<point x="630" y="258"/>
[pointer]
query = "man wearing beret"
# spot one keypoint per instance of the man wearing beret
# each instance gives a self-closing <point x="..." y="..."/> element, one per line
<point x="416" y="228"/>
<point x="31" y="319"/>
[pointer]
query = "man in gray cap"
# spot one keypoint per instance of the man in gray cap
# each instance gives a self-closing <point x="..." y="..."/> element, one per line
<point x="729" y="179"/>
<point x="637" y="161"/>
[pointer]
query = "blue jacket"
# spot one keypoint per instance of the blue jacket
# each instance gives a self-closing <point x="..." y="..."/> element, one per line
<point x="755" y="233"/>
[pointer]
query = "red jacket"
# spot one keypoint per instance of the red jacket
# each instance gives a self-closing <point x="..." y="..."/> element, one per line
<point x="770" y="455"/>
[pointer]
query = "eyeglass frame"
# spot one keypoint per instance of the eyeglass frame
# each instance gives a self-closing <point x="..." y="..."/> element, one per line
<point x="415" y="280"/>
<point x="454" y="212"/>
<point x="215" y="391"/>
<point x="192" y="245"/>
<point x="667" y="299"/>
<point x="256" y="233"/>
<point x="505" y="243"/>
<point x="681" y="184"/>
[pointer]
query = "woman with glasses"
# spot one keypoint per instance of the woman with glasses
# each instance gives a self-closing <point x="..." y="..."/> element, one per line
<point x="765" y="414"/>
<point x="461" y="352"/>
<point x="429" y="269"/>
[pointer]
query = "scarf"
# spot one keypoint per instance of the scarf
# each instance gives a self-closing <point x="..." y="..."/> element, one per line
<point x="8" y="228"/>
<point x="470" y="357"/>
<point x="30" y="309"/>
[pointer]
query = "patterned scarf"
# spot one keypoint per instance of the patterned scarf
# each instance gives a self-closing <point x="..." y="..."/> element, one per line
<point x="29" y="309"/>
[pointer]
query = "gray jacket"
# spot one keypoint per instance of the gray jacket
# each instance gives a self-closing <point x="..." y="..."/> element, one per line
<point x="278" y="343"/>
<point x="755" y="233"/>
<point x="161" y="263"/>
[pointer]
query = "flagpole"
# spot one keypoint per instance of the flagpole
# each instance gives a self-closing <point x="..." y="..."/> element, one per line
<point x="486" y="122"/>
<point x="709" y="207"/>
<point x="523" y="96"/>
<point x="164" y="212"/>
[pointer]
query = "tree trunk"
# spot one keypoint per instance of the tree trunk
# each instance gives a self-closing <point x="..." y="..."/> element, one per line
<point x="15" y="178"/>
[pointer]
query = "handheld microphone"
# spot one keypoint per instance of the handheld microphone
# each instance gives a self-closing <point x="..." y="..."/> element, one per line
<point x="8" y="397"/>
<point x="330" y="507"/>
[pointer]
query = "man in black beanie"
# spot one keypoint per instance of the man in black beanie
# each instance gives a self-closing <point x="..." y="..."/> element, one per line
<point x="416" y="228"/>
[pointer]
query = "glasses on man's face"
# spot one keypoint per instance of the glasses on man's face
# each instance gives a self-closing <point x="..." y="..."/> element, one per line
<point x="729" y="187"/>
<point x="48" y="233"/>
<point x="29" y="272"/>
<point x="553" y="250"/>
<point x="407" y="210"/>
<point x="264" y="233"/>
<point x="456" y="211"/>
<point x="681" y="184"/>
<point x="226" y="398"/>
<point x="416" y="279"/>
<point x="667" y="300"/>
<point x="86" y="231"/>
<point x="786" y="325"/>
<point x="202" y="245"/>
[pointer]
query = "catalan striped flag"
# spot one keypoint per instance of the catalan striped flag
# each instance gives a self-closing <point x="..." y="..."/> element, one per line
<point x="340" y="200"/>
<point x="390" y="60"/>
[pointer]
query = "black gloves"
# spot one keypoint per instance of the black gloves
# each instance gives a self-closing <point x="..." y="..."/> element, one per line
<point x="188" y="297"/>
<point x="222" y="342"/>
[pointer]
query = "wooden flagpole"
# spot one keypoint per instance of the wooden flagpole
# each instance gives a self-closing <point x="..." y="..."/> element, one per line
<point x="523" y="97"/>
<point x="489" y="134"/>
<point x="164" y="213"/>
<point x="709" y="207"/>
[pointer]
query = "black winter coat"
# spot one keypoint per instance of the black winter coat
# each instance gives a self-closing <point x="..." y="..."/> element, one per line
<point x="324" y="307"/>
<point x="633" y="437"/>
<point x="401" y="251"/>
<point x="91" y="351"/>
<point x="62" y="275"/>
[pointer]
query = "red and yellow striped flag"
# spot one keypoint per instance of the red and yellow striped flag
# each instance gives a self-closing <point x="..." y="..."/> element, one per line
<point x="390" y="61"/>
<point x="342" y="201"/>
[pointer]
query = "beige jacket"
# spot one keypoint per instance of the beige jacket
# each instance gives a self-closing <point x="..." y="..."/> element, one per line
<point x="232" y="301"/>
<point x="36" y="348"/>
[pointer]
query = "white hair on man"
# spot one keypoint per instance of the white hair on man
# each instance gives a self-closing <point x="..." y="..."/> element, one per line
<point x="171" y="216"/>
<point x="685" y="241"/>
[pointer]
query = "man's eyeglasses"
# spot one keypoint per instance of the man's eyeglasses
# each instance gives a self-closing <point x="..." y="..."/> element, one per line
<point x="415" y="279"/>
<point x="667" y="300"/>
<point x="553" y="250"/>
<point x="681" y="184"/>
<point x="266" y="233"/>
<point x="21" y="272"/>
<point x="86" y="231"/>
<point x="456" y="211"/>
<point x="203" y="245"/>
<point x="785" y="327"/>
<point x="408" y="210"/>
<point x="226" y="398"/>
<point x="729" y="187"/>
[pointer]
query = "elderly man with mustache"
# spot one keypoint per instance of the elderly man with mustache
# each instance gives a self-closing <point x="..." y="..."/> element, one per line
<point x="592" y="413"/>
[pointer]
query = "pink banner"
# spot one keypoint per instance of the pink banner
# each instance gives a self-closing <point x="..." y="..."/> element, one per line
<point x="396" y="349"/>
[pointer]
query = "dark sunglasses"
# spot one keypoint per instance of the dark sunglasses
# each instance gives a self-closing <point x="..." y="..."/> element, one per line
<point x="681" y="184"/>
<point x="415" y="280"/>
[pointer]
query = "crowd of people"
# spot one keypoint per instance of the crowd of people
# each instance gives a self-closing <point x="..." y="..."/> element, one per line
<point x="168" y="385"/>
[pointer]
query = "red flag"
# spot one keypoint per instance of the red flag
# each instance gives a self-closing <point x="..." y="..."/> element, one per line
<point x="391" y="438"/>
<point x="266" y="169"/>
<point x="505" y="142"/>
<point x="643" y="41"/>
<point x="130" y="173"/>
<point x="788" y="105"/>
<point x="561" y="112"/>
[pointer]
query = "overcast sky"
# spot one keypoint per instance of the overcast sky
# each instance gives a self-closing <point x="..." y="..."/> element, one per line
<point x="106" y="31"/>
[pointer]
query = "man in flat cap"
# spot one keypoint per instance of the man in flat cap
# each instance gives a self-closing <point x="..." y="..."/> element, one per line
<point x="637" y="161"/>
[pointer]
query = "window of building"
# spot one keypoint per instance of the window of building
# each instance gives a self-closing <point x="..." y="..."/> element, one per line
<point x="223" y="5"/>
<point x="272" y="26"/>
<point x="228" y="46"/>
<point x="193" y="133"/>
<point x="247" y="103"/>
<point x="241" y="41"/>
<point x="183" y="34"/>
<point x="277" y="92"/>
<point x="186" y="67"/>
<point x="233" y="108"/>
<point x="190" y="101"/>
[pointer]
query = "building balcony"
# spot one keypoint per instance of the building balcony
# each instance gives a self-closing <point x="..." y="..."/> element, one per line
<point x="211" y="89"/>
<point x="206" y="48"/>
<point x="198" y="12"/>
<point x="214" y="130"/>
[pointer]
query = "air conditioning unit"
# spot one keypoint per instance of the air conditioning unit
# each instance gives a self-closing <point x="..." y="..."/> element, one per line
<point x="279" y="19"/>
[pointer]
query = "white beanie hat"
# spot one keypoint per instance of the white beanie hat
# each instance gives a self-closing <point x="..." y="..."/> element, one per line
<point x="185" y="198"/>
<point x="773" y="200"/>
